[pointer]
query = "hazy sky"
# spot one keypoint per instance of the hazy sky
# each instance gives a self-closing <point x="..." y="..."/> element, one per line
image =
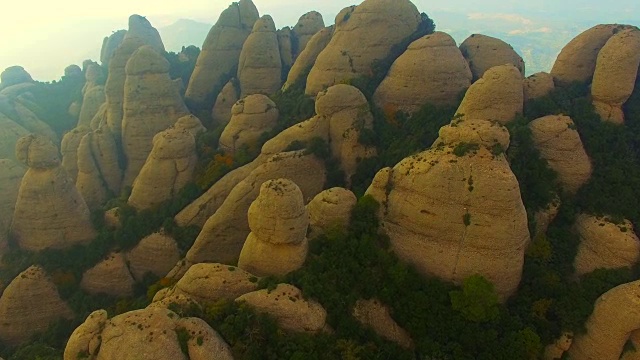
<point x="42" y="35"/>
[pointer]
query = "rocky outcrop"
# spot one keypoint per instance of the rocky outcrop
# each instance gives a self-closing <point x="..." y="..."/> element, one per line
<point x="111" y="276"/>
<point x="307" y="26"/>
<point x="538" y="85"/>
<point x="168" y="169"/>
<point x="11" y="174"/>
<point x="372" y="313"/>
<point x="278" y="219"/>
<point x="152" y="103"/>
<point x="91" y="103"/>
<point x="14" y="75"/>
<point x="431" y="71"/>
<point x="94" y="76"/>
<point x="287" y="306"/>
<point x="221" y="53"/>
<point x="329" y="210"/>
<point x="28" y="305"/>
<point x="484" y="52"/>
<point x="221" y="113"/>
<point x="140" y="33"/>
<point x="367" y="34"/>
<point x="9" y="135"/>
<point x="559" y="143"/>
<point x="577" y="60"/>
<point x="30" y="121"/>
<point x="49" y="212"/>
<point x="614" y="317"/>
<point x="69" y="150"/>
<point x="544" y="217"/>
<point x="497" y="96"/>
<point x="146" y="334"/>
<point x="615" y="74"/>
<point x="251" y="117"/>
<point x="156" y="254"/>
<point x="307" y="57"/>
<point x="260" y="66"/>
<point x="109" y="46"/>
<point x="556" y="350"/>
<point x="191" y="124"/>
<point x="605" y="245"/>
<point x="73" y="71"/>
<point x="286" y="47"/>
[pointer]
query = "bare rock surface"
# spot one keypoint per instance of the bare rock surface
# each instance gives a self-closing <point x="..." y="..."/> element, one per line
<point x="260" y="66"/>
<point x="484" y="52"/>
<point x="329" y="210"/>
<point x="111" y="276"/>
<point x="250" y="118"/>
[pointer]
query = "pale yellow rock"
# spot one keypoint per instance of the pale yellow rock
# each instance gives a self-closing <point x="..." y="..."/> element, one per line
<point x="111" y="276"/>
<point x="168" y="169"/>
<point x="605" y="245"/>
<point x="251" y="117"/>
<point x="286" y="304"/>
<point x="152" y="103"/>
<point x="155" y="254"/>
<point x="49" y="212"/>
<point x="330" y="210"/>
<point x="304" y="132"/>
<point x="372" y="313"/>
<point x="473" y="131"/>
<point x="307" y="57"/>
<point x="192" y="124"/>
<point x="229" y="95"/>
<point x="557" y="349"/>
<point x="366" y="35"/>
<point x="112" y="219"/>
<point x="559" y="143"/>
<point x="615" y="316"/>
<point x="94" y="76"/>
<point x="224" y="233"/>
<point x="171" y="301"/>
<point x="545" y="216"/>
<point x="109" y="46"/>
<point x="100" y="119"/>
<point x="204" y="343"/>
<point x="615" y="74"/>
<point x="11" y="132"/>
<point x="260" y="66"/>
<point x="263" y="258"/>
<point x="30" y="121"/>
<point x="69" y="150"/>
<point x="497" y="96"/>
<point x="11" y="174"/>
<point x="28" y="305"/>
<point x="74" y="110"/>
<point x="220" y="53"/>
<point x="577" y="60"/>
<point x="286" y="47"/>
<point x="484" y="52"/>
<point x="431" y="71"/>
<point x="538" y="85"/>
<point x="307" y="26"/>
<point x="91" y="103"/>
<point x="86" y="338"/>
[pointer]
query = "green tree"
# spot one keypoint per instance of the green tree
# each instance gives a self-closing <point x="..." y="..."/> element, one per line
<point x="477" y="301"/>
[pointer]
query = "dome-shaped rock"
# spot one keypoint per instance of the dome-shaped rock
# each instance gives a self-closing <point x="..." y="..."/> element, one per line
<point x="251" y="117"/>
<point x="86" y="338"/>
<point x="307" y="57"/>
<point x="155" y="254"/>
<point x="111" y="276"/>
<point x="109" y="46"/>
<point x="330" y="209"/>
<point x="538" y="85"/>
<point x="286" y="47"/>
<point x="484" y="52"/>
<point x="221" y="113"/>
<point x="260" y="66"/>
<point x="14" y="75"/>
<point x="307" y="26"/>
<point x="69" y="150"/>
<point x="191" y="124"/>
<point x="11" y="174"/>
<point x="91" y="103"/>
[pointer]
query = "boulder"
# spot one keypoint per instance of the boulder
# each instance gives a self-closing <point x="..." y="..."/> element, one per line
<point x="220" y="53"/>
<point x="91" y="103"/>
<point x="49" y="212"/>
<point x="556" y="350"/>
<point x="204" y="342"/>
<point x="14" y="75"/>
<point x="69" y="150"/>
<point x="538" y="85"/>
<point x="11" y="174"/>
<point x="286" y="47"/>
<point x="307" y="26"/>
<point x="615" y="74"/>
<point x="221" y="113"/>
<point x="191" y="124"/>
<point x="484" y="52"/>
<point x="307" y="57"/>
<point x="286" y="305"/>
<point x="605" y="245"/>
<point x="29" y="304"/>
<point x="362" y="36"/>
<point x="155" y="254"/>
<point x="559" y="143"/>
<point x="109" y="46"/>
<point x="152" y="103"/>
<point x="497" y="96"/>
<point x="86" y="338"/>
<point x="615" y="316"/>
<point x="577" y="60"/>
<point x="251" y="117"/>
<point x="278" y="219"/>
<point x="329" y="210"/>
<point x="431" y="71"/>
<point x="168" y="169"/>
<point x="375" y="315"/>
<point x="111" y="276"/>
<point x="260" y="66"/>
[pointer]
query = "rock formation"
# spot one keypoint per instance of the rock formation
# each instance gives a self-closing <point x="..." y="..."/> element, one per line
<point x="73" y="71"/>
<point x="14" y="75"/>
<point x="277" y="244"/>
<point x="91" y="103"/>
<point x="374" y="314"/>
<point x="559" y="143"/>
<point x="556" y="350"/>
<point x="357" y="41"/>
<point x="220" y="53"/>
<point x="30" y="121"/>
<point x="432" y="71"/>
<point x="615" y="74"/>
<point x="605" y="245"/>
<point x="28" y="305"/>
<point x="497" y="96"/>
<point x="191" y="124"/>
<point x="307" y="26"/>
<point x="251" y="117"/>
<point x="69" y="150"/>
<point x="286" y="47"/>
<point x="538" y="85"/>
<point x="577" y="60"/>
<point x="331" y="209"/>
<point x="152" y="103"/>
<point x="111" y="276"/>
<point x="221" y="113"/>
<point x="109" y="46"/>
<point x="11" y="174"/>
<point x="86" y="338"/>
<point x="484" y="52"/>
<point x="93" y="76"/>
<point x="615" y="316"/>
<point x="156" y="254"/>
<point x="260" y="66"/>
<point x="49" y="212"/>
<point x="307" y="57"/>
<point x="11" y="132"/>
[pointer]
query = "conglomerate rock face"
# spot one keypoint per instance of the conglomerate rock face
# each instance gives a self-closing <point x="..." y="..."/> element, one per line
<point x="308" y="56"/>
<point x="484" y="52"/>
<point x="260" y="65"/>
<point x="250" y="118"/>
<point x="306" y="27"/>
